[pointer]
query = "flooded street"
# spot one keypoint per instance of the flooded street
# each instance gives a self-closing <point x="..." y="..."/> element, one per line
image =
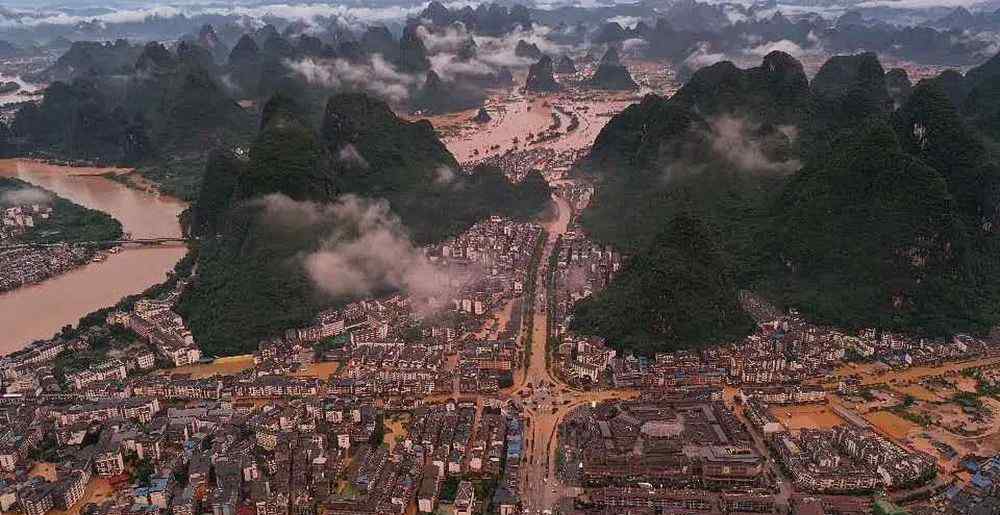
<point x="38" y="311"/>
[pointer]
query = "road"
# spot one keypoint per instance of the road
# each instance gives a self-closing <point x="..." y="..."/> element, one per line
<point x="782" y="499"/>
<point x="537" y="369"/>
<point x="869" y="375"/>
<point x="546" y="399"/>
<point x="135" y="242"/>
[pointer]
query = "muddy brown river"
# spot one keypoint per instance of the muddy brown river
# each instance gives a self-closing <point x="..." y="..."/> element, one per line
<point x="38" y="311"/>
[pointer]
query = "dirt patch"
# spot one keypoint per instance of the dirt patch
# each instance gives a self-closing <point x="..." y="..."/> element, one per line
<point x="324" y="370"/>
<point x="46" y="470"/>
<point x="920" y="392"/>
<point x="395" y="427"/>
<point x="223" y="366"/>
<point x="806" y="416"/>
<point x="891" y="423"/>
<point x="966" y="384"/>
<point x="98" y="491"/>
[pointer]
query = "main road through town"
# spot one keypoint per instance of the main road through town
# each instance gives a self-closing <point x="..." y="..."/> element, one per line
<point x="545" y="398"/>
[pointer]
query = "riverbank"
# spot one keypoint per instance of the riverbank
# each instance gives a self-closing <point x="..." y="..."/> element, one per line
<point x="38" y="311"/>
<point x="52" y="226"/>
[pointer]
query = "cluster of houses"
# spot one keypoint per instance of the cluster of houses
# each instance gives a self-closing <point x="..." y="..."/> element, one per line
<point x="21" y="266"/>
<point x="638" y="498"/>
<point x="577" y="194"/>
<point x="155" y="321"/>
<point x="980" y="493"/>
<point x="489" y="262"/>
<point x="846" y="459"/>
<point x="30" y="371"/>
<point x="783" y="351"/>
<point x="270" y="444"/>
<point x="369" y="438"/>
<point x="515" y="164"/>
<point x="582" y="268"/>
<point x="37" y="496"/>
<point x="683" y="450"/>
<point x="16" y="220"/>
<point x="788" y="349"/>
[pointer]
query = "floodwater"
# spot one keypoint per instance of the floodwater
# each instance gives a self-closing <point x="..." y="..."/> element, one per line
<point x="515" y="116"/>
<point x="19" y="95"/>
<point x="38" y="311"/>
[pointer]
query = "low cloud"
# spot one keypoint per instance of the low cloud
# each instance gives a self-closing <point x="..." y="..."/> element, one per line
<point x="367" y="249"/>
<point x="634" y="44"/>
<point x="627" y="22"/>
<point x="310" y="13"/>
<point x="492" y="53"/>
<point x="449" y="39"/>
<point x="371" y="251"/>
<point x="916" y="4"/>
<point x="733" y="143"/>
<point x="784" y="45"/>
<point x="377" y="76"/>
<point x="444" y="176"/>
<point x="702" y="56"/>
<point x="448" y="67"/>
<point x="497" y="52"/>
<point x="24" y="196"/>
<point x="732" y="139"/>
<point x="350" y="156"/>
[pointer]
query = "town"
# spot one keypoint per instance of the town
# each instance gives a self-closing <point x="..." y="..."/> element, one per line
<point x="394" y="404"/>
<point x="475" y="393"/>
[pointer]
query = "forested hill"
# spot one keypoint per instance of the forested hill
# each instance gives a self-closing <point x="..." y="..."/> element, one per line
<point x="861" y="207"/>
<point x="251" y="281"/>
<point x="154" y="109"/>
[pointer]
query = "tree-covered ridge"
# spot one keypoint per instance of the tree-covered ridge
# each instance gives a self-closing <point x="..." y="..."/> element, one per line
<point x="776" y="92"/>
<point x="856" y="214"/>
<point x="682" y="271"/>
<point x="868" y="236"/>
<point x="161" y="116"/>
<point x="251" y="279"/>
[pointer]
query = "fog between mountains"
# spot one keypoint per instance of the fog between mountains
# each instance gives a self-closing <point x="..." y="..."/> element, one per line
<point x="381" y="78"/>
<point x="732" y="141"/>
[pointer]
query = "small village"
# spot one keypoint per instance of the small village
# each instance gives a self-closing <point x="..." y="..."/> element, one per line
<point x="20" y="266"/>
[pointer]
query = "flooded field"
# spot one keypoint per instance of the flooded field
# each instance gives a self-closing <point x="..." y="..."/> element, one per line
<point x="891" y="424"/>
<point x="806" y="416"/>
<point x="227" y="366"/>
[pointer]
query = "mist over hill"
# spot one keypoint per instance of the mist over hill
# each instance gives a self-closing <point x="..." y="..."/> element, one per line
<point x="374" y="182"/>
<point x="849" y="209"/>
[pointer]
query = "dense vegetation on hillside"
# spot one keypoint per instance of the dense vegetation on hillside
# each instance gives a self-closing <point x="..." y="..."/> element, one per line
<point x="251" y="280"/>
<point x="854" y="213"/>
<point x="682" y="269"/>
<point x="68" y="222"/>
<point x="161" y="117"/>
<point x="868" y="236"/>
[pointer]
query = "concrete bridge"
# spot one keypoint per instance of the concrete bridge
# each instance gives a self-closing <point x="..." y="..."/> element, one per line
<point x="105" y="243"/>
